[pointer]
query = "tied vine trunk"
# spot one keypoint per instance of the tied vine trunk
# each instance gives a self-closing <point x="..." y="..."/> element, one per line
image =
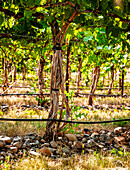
<point x="56" y="79"/>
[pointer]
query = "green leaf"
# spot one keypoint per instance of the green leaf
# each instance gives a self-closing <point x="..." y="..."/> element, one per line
<point x="27" y="13"/>
<point x="1" y="19"/>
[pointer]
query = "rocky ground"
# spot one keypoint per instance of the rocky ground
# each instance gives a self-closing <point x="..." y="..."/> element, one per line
<point x="66" y="145"/>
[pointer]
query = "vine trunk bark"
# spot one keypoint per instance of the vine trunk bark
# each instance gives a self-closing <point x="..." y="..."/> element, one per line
<point x="79" y="73"/>
<point x="41" y="64"/>
<point x="112" y="80"/>
<point x="56" y="80"/>
<point x="5" y="75"/>
<point x="95" y="78"/>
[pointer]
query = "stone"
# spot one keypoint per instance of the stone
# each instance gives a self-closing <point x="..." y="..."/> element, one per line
<point x="110" y="134"/>
<point x="17" y="139"/>
<point x="43" y="141"/>
<point x="38" y="137"/>
<point x="34" y="153"/>
<point x="71" y="137"/>
<point x="86" y="136"/>
<point x="70" y="143"/>
<point x="118" y="130"/>
<point x="13" y="149"/>
<point x="18" y="144"/>
<point x="95" y="134"/>
<point x="3" y="153"/>
<point x="119" y="139"/>
<point x="59" y="143"/>
<point x="45" y="145"/>
<point x="30" y="134"/>
<point x="66" y="150"/>
<point x="124" y="134"/>
<point x="5" y="139"/>
<point x="91" y="142"/>
<point x="52" y="150"/>
<point x="45" y="151"/>
<point x="117" y="146"/>
<point x="103" y="132"/>
<point x="78" y="144"/>
<point x="87" y="145"/>
<point x="7" y="146"/>
<point x="57" y="152"/>
<point x="60" y="138"/>
<point x="2" y="144"/>
<point x="24" y="146"/>
<point x="2" y="158"/>
<point x="79" y="137"/>
<point x="20" y="153"/>
<point x="90" y="151"/>
<point x="84" y="140"/>
<point x="53" y="144"/>
<point x="100" y="146"/>
<point x="103" y="137"/>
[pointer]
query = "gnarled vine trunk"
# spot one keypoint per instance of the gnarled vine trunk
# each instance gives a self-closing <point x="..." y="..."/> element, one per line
<point x="14" y="74"/>
<point x="24" y="71"/>
<point x="5" y="76"/>
<point x="122" y="83"/>
<point x="79" y="73"/>
<point x="112" y="80"/>
<point x="95" y="78"/>
<point x="41" y="64"/>
<point x="56" y="80"/>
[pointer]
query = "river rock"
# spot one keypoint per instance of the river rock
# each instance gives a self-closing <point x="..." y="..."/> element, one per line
<point x="94" y="135"/>
<point x="103" y="137"/>
<point x="7" y="146"/>
<point x="43" y="141"/>
<point x="45" y="145"/>
<point x="45" y="151"/>
<point x="86" y="136"/>
<point x="84" y="140"/>
<point x="34" y="153"/>
<point x="2" y="158"/>
<point x="18" y="139"/>
<point x="2" y="144"/>
<point x="79" y="137"/>
<point x="13" y="149"/>
<point x="66" y="150"/>
<point x="118" y="130"/>
<point x="2" y="153"/>
<point x="53" y="144"/>
<point x="5" y="139"/>
<point x="30" y="134"/>
<point x="59" y="143"/>
<point x="91" y="142"/>
<point x="71" y="137"/>
<point x="78" y="144"/>
<point x="18" y="144"/>
<point x="119" y="139"/>
<point x="70" y="143"/>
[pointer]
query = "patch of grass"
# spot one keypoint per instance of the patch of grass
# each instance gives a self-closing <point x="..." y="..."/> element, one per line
<point x="83" y="162"/>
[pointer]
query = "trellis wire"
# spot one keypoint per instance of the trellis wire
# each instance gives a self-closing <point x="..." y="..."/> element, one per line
<point x="76" y="94"/>
<point x="65" y="121"/>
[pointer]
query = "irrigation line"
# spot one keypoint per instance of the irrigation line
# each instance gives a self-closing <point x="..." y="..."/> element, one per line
<point x="76" y="94"/>
<point x="66" y="121"/>
<point x="100" y="95"/>
<point x="25" y="94"/>
<point x="82" y="88"/>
